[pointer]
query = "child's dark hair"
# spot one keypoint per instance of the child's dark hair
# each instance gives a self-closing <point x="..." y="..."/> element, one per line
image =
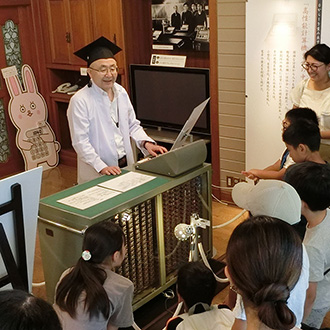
<point x="321" y="52"/>
<point x="302" y="113"/>
<point x="264" y="259"/>
<point x="196" y="283"/>
<point x="20" y="310"/>
<point x="303" y="131"/>
<point x="312" y="183"/>
<point x="102" y="240"/>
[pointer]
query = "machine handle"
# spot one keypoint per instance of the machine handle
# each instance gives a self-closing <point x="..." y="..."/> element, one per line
<point x="72" y="230"/>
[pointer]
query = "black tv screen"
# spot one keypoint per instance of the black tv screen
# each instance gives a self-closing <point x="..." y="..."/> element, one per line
<point x="165" y="96"/>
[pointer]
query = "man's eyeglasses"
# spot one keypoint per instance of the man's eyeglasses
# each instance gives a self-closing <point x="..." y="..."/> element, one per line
<point x="105" y="70"/>
<point x="312" y="66"/>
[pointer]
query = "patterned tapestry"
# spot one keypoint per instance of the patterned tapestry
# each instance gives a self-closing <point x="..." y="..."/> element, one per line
<point x="13" y="57"/>
<point x="4" y="141"/>
<point x="12" y="46"/>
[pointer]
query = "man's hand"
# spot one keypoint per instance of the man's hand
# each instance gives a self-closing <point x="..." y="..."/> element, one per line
<point x="154" y="149"/>
<point x="110" y="170"/>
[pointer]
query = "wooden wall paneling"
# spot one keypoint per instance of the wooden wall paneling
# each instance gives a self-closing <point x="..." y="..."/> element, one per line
<point x="138" y="31"/>
<point x="108" y="22"/>
<point x="69" y="29"/>
<point x="44" y="33"/>
<point x="234" y="97"/>
<point x="232" y="120"/>
<point x="80" y="28"/>
<point x="231" y="165"/>
<point x="237" y="144"/>
<point x="123" y="28"/>
<point x="41" y="71"/>
<point x="233" y="109"/>
<point x="13" y="3"/>
<point x="233" y="132"/>
<point x="232" y="85"/>
<point x="231" y="82"/>
<point x="40" y="65"/>
<point x="57" y="24"/>
<point x="231" y="72"/>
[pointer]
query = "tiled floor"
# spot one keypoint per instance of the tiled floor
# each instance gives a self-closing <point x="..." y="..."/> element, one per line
<point x="63" y="177"/>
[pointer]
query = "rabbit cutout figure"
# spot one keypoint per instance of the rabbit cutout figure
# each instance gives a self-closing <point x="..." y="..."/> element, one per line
<point x="28" y="112"/>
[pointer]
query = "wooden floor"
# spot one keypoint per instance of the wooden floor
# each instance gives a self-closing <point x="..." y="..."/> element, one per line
<point x="63" y="177"/>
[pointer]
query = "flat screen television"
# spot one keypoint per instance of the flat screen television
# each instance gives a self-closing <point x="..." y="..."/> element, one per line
<point x="164" y="97"/>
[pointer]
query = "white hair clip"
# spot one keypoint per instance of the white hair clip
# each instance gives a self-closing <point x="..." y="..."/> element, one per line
<point x="86" y="255"/>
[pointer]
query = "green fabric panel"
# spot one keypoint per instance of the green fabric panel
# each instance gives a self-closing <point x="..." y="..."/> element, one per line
<point x="106" y="205"/>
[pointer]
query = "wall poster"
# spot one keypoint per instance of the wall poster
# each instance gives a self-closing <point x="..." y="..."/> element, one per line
<point x="180" y="24"/>
<point x="278" y="33"/>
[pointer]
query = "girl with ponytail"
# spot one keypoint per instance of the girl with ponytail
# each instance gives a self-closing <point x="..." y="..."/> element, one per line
<point x="264" y="261"/>
<point x="91" y="295"/>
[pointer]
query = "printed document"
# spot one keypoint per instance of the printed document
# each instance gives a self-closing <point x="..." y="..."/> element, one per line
<point x="105" y="190"/>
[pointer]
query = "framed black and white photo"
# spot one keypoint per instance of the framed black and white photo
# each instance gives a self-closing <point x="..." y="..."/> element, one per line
<point x="179" y="24"/>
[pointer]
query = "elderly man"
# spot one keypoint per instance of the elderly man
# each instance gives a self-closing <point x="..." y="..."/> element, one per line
<point x="102" y="119"/>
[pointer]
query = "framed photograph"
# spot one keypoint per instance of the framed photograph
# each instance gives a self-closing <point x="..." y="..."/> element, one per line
<point x="180" y="25"/>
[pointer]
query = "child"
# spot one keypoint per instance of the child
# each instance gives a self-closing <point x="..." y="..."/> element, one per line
<point x="20" y="310"/>
<point x="196" y="286"/>
<point x="91" y="295"/>
<point x="278" y="199"/>
<point x="312" y="182"/>
<point x="264" y="261"/>
<point x="302" y="138"/>
<point x="277" y="170"/>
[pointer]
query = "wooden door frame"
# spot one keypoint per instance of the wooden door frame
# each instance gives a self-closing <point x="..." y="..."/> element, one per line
<point x="215" y="145"/>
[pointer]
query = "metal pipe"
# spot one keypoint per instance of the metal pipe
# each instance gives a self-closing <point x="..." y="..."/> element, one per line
<point x="56" y="224"/>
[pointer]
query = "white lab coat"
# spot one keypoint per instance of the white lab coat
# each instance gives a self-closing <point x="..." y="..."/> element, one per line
<point x="91" y="129"/>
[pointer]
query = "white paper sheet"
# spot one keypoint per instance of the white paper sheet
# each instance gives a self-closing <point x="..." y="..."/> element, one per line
<point x="127" y="181"/>
<point x="88" y="197"/>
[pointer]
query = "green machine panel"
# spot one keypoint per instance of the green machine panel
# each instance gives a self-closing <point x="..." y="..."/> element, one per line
<point x="148" y="215"/>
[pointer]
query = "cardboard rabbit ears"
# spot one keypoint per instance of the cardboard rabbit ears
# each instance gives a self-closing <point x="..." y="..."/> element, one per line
<point x="13" y="83"/>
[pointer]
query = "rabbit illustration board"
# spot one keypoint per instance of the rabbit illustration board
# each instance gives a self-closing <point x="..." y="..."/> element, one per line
<point x="28" y="112"/>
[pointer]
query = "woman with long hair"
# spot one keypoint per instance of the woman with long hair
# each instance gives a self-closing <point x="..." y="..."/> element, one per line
<point x="91" y="295"/>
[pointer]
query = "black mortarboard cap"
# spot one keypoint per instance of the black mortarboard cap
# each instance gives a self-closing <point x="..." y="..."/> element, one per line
<point x="99" y="48"/>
